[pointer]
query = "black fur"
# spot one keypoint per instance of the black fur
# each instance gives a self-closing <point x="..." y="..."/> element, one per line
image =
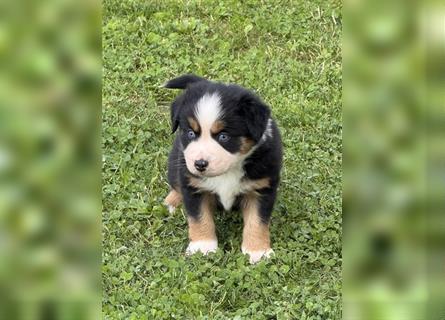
<point x="245" y="115"/>
<point x="183" y="81"/>
<point x="255" y="113"/>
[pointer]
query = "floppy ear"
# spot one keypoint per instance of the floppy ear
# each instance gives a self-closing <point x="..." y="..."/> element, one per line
<point x="256" y="114"/>
<point x="175" y="112"/>
<point x="174" y="116"/>
<point x="183" y="81"/>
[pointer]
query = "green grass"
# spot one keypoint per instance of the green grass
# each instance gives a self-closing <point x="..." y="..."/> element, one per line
<point x="290" y="55"/>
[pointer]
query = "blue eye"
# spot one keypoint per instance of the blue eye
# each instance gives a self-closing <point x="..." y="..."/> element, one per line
<point x="223" y="137"/>
<point x="191" y="135"/>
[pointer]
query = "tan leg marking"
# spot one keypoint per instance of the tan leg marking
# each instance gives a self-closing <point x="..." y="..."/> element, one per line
<point x="173" y="200"/>
<point x="258" y="184"/>
<point x="256" y="236"/>
<point x="202" y="231"/>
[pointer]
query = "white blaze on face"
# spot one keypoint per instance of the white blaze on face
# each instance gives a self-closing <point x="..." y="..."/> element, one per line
<point x="207" y="111"/>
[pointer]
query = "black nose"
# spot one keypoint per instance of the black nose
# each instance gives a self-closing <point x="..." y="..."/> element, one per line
<point x="201" y="164"/>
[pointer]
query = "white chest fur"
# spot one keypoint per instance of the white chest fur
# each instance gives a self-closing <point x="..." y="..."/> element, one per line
<point x="226" y="186"/>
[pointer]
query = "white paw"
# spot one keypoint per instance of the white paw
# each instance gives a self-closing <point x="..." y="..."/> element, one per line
<point x="204" y="246"/>
<point x="257" y="255"/>
<point x="171" y="209"/>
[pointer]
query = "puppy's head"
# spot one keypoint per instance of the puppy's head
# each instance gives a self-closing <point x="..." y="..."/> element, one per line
<point x="219" y="124"/>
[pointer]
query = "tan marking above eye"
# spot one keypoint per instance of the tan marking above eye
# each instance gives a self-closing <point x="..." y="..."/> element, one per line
<point x="217" y="127"/>
<point x="193" y="124"/>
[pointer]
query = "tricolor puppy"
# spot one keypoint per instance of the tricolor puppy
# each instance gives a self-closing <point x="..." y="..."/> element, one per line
<point x="227" y="153"/>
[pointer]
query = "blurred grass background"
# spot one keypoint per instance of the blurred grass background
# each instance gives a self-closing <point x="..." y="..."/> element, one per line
<point x="49" y="159"/>
<point x="394" y="173"/>
<point x="289" y="53"/>
<point x="393" y="170"/>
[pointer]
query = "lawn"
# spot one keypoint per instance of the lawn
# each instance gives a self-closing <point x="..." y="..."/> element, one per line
<point x="290" y="54"/>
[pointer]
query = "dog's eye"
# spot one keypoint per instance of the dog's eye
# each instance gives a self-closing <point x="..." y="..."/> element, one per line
<point x="191" y="134"/>
<point x="223" y="137"/>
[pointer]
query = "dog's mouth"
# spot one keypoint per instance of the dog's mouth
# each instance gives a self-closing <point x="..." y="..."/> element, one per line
<point x="206" y="174"/>
<point x="209" y="172"/>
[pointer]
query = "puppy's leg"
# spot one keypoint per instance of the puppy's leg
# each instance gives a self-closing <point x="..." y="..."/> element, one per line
<point x="202" y="234"/>
<point x="256" y="236"/>
<point x="173" y="200"/>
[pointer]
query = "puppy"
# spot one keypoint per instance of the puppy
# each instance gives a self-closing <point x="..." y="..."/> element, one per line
<point x="228" y="154"/>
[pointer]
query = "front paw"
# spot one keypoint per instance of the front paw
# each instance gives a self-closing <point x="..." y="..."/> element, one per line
<point x="203" y="246"/>
<point x="256" y="255"/>
<point x="172" y="200"/>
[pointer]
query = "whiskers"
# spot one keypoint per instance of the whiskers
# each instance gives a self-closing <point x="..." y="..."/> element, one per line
<point x="178" y="163"/>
